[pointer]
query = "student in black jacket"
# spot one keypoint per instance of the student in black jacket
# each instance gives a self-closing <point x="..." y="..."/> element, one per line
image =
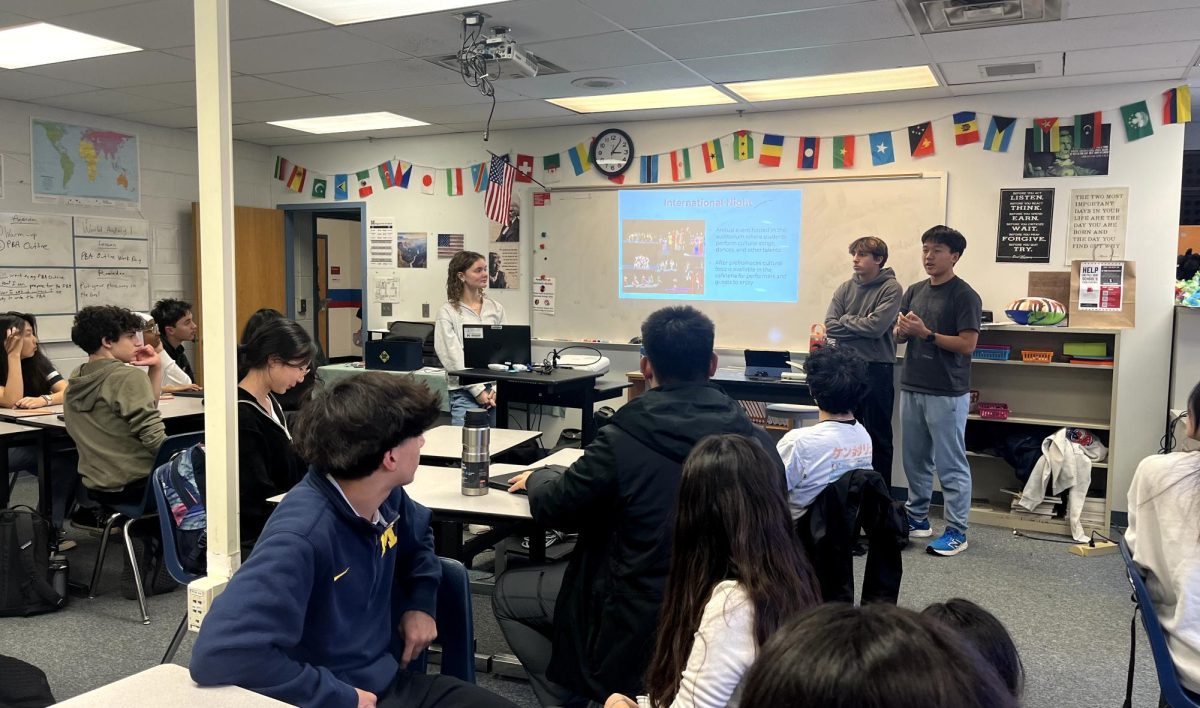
<point x="276" y="358"/>
<point x="585" y="629"/>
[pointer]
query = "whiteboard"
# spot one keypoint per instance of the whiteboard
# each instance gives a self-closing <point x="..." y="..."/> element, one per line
<point x="37" y="290"/>
<point x="115" y="228"/>
<point x="113" y="252"/>
<point x="129" y="288"/>
<point x="581" y="233"/>
<point x="35" y="240"/>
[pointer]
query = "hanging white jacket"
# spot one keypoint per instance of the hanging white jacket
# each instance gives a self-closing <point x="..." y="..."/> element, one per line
<point x="1068" y="467"/>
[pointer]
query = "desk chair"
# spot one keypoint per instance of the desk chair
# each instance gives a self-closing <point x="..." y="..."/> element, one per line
<point x="455" y="625"/>
<point x="144" y="509"/>
<point x="166" y="524"/>
<point x="1173" y="693"/>
<point x="796" y="415"/>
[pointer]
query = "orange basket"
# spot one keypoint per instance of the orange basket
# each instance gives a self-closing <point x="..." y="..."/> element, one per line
<point x="1034" y="356"/>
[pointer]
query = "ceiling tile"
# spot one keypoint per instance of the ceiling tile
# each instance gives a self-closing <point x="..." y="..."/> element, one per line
<point x="1096" y="8"/>
<point x="257" y="131"/>
<point x="597" y="51"/>
<point x="504" y="111"/>
<point x="262" y="18"/>
<point x="639" y="14"/>
<point x="150" y="25"/>
<point x="20" y="86"/>
<point x="856" y="56"/>
<point x="47" y="9"/>
<point x="304" y="50"/>
<point x="365" y="77"/>
<point x="167" y="118"/>
<point x="400" y="100"/>
<point x="104" y="102"/>
<point x="1056" y="82"/>
<point x="1157" y="56"/>
<point x="8" y="20"/>
<point x="245" y="88"/>
<point x="283" y="109"/>
<point x="834" y="25"/>
<point x="422" y="36"/>
<point x="969" y="72"/>
<point x="645" y="77"/>
<point x="134" y="69"/>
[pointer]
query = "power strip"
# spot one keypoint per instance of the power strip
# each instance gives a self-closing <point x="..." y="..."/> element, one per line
<point x="1102" y="548"/>
<point x="200" y="595"/>
<point x="793" y="376"/>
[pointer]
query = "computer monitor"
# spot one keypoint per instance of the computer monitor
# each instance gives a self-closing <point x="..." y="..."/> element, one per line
<point x="496" y="344"/>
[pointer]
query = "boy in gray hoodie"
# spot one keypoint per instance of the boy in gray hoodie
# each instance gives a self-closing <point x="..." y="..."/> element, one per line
<point x="860" y="316"/>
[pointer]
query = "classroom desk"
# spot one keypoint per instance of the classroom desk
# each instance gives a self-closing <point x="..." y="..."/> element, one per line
<point x="445" y="441"/>
<point x="561" y="387"/>
<point x="173" y="410"/>
<point x="435" y="379"/>
<point x="168" y="686"/>
<point x="735" y="385"/>
<point x="15" y="433"/>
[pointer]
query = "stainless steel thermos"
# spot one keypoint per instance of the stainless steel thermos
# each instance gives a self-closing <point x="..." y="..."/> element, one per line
<point x="477" y="436"/>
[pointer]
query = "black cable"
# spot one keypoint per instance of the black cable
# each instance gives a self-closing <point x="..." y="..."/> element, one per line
<point x="1167" y="442"/>
<point x="1041" y="538"/>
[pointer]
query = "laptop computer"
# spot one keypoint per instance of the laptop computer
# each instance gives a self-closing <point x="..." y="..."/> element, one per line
<point x="393" y="354"/>
<point x="762" y="364"/>
<point x="502" y="481"/>
<point x="496" y="344"/>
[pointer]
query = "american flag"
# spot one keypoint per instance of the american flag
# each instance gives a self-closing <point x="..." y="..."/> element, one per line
<point x="499" y="190"/>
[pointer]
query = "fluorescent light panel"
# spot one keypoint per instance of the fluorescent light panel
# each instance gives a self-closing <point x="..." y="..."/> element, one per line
<point x="322" y="125"/>
<point x="644" y="100"/>
<point x="41" y="43"/>
<point x="348" y="12"/>
<point x="906" y="77"/>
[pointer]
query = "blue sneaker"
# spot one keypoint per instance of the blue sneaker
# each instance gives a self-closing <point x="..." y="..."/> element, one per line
<point x="951" y="543"/>
<point x="917" y="529"/>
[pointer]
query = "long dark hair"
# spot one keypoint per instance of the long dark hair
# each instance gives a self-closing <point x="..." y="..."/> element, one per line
<point x="458" y="264"/>
<point x="257" y="320"/>
<point x="36" y="369"/>
<point x="279" y="338"/>
<point x="987" y="634"/>
<point x="732" y="523"/>
<point x="877" y="656"/>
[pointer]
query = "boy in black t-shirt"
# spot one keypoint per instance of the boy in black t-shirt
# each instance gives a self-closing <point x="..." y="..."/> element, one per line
<point x="939" y="319"/>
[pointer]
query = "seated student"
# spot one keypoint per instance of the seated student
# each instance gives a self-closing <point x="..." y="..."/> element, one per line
<point x="176" y="325"/>
<point x="987" y="634"/>
<point x="275" y="359"/>
<point x="174" y="379"/>
<point x="293" y="398"/>
<point x="111" y="412"/>
<point x="585" y="629"/>
<point x="818" y="455"/>
<point x="29" y="380"/>
<point x="344" y="563"/>
<point x="466" y="279"/>
<point x="737" y="573"/>
<point x="1164" y="538"/>
<point x="876" y="656"/>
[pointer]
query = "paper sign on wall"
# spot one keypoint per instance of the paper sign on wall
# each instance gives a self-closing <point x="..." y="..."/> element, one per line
<point x="381" y="242"/>
<point x="543" y="295"/>
<point x="1101" y="285"/>
<point x="1098" y="219"/>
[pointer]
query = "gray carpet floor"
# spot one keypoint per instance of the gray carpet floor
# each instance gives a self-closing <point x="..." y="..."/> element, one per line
<point x="1068" y="615"/>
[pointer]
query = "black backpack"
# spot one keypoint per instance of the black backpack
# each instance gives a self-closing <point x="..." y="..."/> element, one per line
<point x="25" y="582"/>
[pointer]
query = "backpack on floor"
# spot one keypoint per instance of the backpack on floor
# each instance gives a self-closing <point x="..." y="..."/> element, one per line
<point x="23" y="685"/>
<point x="25" y="581"/>
<point x="182" y="478"/>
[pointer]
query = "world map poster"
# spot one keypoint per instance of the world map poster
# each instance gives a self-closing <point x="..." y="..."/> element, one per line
<point x="78" y="164"/>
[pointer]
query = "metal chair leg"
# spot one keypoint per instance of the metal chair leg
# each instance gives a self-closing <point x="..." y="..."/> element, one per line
<point x="100" y="556"/>
<point x="137" y="570"/>
<point x="175" y="640"/>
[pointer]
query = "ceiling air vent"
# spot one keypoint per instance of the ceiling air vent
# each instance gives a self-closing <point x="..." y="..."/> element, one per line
<point x="1024" y="68"/>
<point x="933" y="16"/>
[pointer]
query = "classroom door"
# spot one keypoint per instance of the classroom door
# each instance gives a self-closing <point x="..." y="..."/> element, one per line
<point x="260" y="257"/>
<point x="321" y="244"/>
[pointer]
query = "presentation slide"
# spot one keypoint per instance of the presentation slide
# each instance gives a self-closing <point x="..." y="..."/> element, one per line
<point x="710" y="244"/>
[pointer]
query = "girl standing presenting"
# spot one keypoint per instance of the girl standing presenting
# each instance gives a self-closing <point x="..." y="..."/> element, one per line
<point x="466" y="303"/>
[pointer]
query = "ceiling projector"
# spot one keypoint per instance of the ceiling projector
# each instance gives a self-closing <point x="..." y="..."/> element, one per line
<point x="507" y="60"/>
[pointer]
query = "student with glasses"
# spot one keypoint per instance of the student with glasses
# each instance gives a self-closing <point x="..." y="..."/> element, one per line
<point x="274" y="358"/>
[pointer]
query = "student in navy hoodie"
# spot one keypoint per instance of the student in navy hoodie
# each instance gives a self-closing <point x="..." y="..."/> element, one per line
<point x="344" y="569"/>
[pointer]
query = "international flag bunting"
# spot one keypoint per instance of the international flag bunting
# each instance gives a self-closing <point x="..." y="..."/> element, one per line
<point x="920" y="139"/>
<point x="479" y="176"/>
<point x="403" y="174"/>
<point x="1177" y="105"/>
<point x="1136" y="117"/>
<point x="524" y="168"/>
<point x="425" y="180"/>
<point x="743" y="145"/>
<point x="386" y="174"/>
<point x="454" y="185"/>
<point x="843" y="152"/>
<point x="649" y="169"/>
<point x="810" y="153"/>
<point x="364" y="184"/>
<point x="499" y="190"/>
<point x="550" y="169"/>
<point x="966" y="128"/>
<point x="772" y="150"/>
<point x="681" y="165"/>
<point x="1045" y="135"/>
<point x="713" y="159"/>
<point x="341" y="190"/>
<point x="999" y="134"/>
<point x="1087" y="130"/>
<point x="881" y="149"/>
<point x="296" y="181"/>
<point x="318" y="188"/>
<point x="579" y="158"/>
<point x="283" y="168"/>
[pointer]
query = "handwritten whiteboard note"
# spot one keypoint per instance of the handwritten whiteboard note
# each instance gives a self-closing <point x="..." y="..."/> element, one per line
<point x="40" y="290"/>
<point x="35" y="240"/>
<point x="113" y="228"/>
<point x="114" y="286"/>
<point x="120" y="253"/>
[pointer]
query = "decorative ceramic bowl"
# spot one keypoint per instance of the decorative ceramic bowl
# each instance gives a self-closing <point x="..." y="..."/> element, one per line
<point x="1036" y="311"/>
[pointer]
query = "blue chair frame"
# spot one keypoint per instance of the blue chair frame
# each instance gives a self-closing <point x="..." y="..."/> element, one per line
<point x="1173" y="693"/>
<point x="455" y="625"/>
<point x="166" y="524"/>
